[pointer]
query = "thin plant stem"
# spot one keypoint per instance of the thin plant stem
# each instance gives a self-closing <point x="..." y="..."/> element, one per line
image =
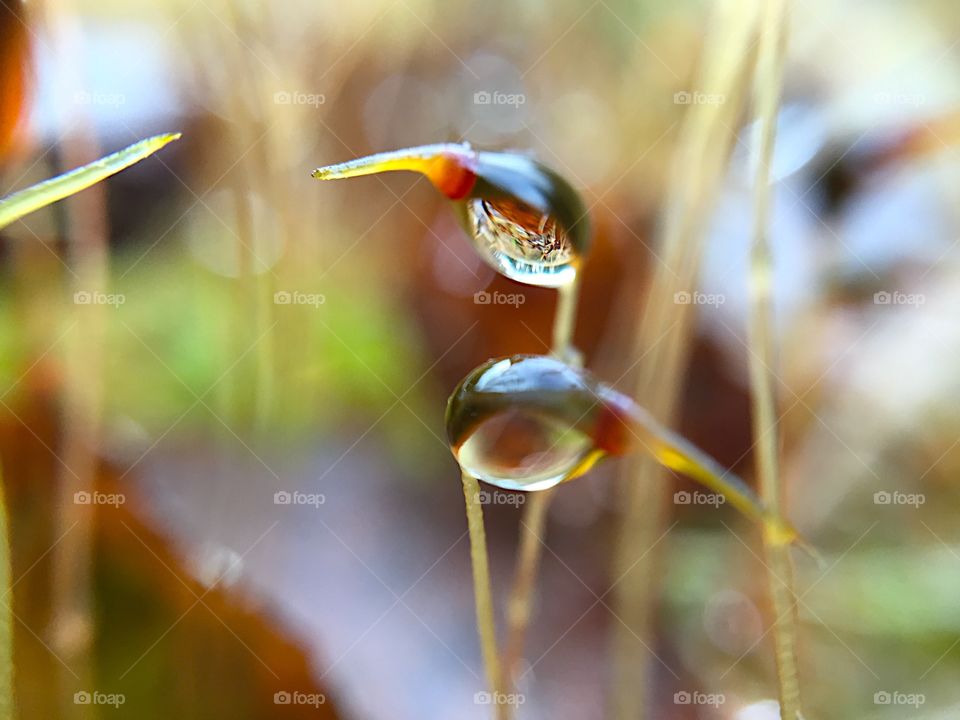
<point x="565" y="320"/>
<point x="6" y="613"/>
<point x="534" y="520"/>
<point x="767" y="90"/>
<point x="662" y="340"/>
<point x="253" y="320"/>
<point x="520" y="602"/>
<point x="483" y="596"/>
<point x="72" y="625"/>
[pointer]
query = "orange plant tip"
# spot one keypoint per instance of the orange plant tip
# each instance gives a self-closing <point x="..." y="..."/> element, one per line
<point x="449" y="166"/>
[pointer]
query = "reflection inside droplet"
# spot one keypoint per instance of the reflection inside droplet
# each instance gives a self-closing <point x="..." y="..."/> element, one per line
<point x="523" y="244"/>
<point x="519" y="450"/>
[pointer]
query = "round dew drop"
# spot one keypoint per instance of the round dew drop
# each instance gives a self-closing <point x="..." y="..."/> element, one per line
<point x="515" y="450"/>
<point x="521" y="243"/>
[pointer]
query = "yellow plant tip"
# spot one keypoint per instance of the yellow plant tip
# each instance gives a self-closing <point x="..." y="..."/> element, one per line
<point x="449" y="166"/>
<point x="13" y="207"/>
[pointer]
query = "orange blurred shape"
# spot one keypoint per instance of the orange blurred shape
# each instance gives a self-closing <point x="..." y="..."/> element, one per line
<point x="14" y="62"/>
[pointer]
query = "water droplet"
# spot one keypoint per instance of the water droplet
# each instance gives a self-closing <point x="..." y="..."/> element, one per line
<point x="521" y="243"/>
<point x="525" y="220"/>
<point x="530" y="422"/>
<point x="524" y="423"/>
<point x="516" y="450"/>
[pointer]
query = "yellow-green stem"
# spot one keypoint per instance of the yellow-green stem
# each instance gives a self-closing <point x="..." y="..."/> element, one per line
<point x="565" y="321"/>
<point x="767" y="89"/>
<point x="524" y="579"/>
<point x="662" y="342"/>
<point x="72" y="625"/>
<point x="483" y="596"/>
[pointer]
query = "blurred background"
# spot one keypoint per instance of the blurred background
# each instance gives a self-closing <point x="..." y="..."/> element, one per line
<point x="222" y="383"/>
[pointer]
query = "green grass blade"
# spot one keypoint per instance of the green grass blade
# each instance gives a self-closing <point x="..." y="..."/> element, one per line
<point x="13" y="207"/>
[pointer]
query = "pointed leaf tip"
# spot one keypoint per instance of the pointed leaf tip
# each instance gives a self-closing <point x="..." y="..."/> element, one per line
<point x="15" y="206"/>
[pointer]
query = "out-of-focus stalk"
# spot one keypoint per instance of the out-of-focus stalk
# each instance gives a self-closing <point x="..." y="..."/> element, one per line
<point x="663" y="339"/>
<point x="72" y="624"/>
<point x="254" y="175"/>
<point x="6" y="613"/>
<point x="534" y="521"/>
<point x="766" y="97"/>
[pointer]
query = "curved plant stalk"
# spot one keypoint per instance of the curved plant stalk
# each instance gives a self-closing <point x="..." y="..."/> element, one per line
<point x="534" y="520"/>
<point x="483" y="596"/>
<point x="780" y="581"/>
<point x="15" y="206"/>
<point x="6" y="613"/>
<point x="662" y="341"/>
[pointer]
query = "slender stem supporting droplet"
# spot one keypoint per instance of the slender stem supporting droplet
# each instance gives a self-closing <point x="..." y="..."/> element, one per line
<point x="520" y="602"/>
<point x="483" y="596"/>
<point x="564" y="321"/>
<point x="767" y="88"/>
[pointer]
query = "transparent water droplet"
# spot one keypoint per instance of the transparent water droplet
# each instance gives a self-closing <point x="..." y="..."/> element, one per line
<point x="523" y="244"/>
<point x="514" y="423"/>
<point x="530" y="422"/>
<point x="516" y="450"/>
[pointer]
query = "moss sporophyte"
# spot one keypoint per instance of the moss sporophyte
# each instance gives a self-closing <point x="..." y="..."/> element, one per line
<point x="528" y="423"/>
<point x="525" y="220"/>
